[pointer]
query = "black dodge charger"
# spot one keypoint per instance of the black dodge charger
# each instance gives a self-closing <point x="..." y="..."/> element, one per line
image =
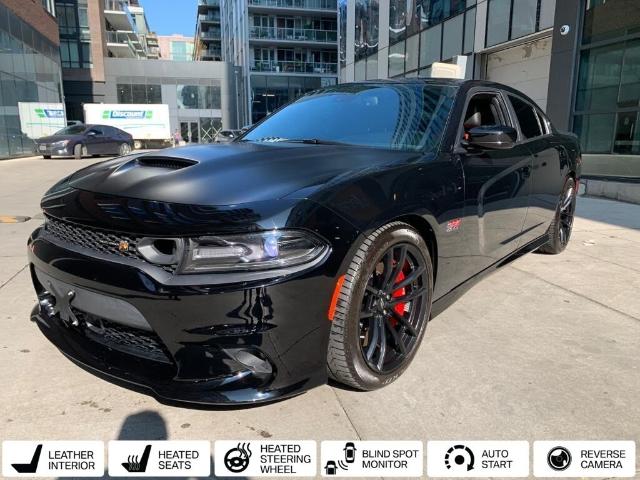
<point x="319" y="244"/>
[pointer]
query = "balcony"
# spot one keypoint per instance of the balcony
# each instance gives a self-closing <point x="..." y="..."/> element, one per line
<point x="204" y="5"/>
<point x="293" y="35"/>
<point x="210" y="54"/>
<point x="301" y="6"/>
<point x="211" y="34"/>
<point x="210" y="18"/>
<point x="116" y="13"/>
<point x="120" y="45"/>
<point x="294" y="67"/>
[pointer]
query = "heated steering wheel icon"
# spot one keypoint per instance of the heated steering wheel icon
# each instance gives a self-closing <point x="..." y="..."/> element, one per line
<point x="237" y="459"/>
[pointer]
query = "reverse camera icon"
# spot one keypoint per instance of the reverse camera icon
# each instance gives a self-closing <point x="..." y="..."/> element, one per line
<point x="559" y="458"/>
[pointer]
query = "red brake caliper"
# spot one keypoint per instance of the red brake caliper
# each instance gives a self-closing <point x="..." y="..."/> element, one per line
<point x="399" y="307"/>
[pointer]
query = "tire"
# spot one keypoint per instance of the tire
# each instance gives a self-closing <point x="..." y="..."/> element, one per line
<point x="80" y="151"/>
<point x="352" y="338"/>
<point x="46" y="157"/>
<point x="560" y="229"/>
<point x="137" y="144"/>
<point x="124" y="149"/>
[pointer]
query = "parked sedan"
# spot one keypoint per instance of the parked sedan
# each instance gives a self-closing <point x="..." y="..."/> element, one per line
<point x="318" y="245"/>
<point x="83" y="140"/>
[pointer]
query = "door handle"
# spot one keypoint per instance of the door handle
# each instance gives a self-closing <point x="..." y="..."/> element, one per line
<point x="526" y="171"/>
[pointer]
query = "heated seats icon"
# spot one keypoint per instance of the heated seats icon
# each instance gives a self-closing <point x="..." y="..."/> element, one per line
<point x="138" y="465"/>
<point x="32" y="466"/>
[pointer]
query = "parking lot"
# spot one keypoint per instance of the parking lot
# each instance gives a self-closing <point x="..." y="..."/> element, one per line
<point x="547" y="348"/>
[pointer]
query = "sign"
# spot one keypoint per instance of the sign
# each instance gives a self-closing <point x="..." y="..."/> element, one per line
<point x="372" y="458"/>
<point x="461" y="458"/>
<point x="52" y="459"/>
<point x="584" y="459"/>
<point x="168" y="458"/>
<point x="265" y="458"/>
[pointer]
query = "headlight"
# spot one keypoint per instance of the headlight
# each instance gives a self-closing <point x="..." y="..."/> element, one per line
<point x="60" y="144"/>
<point x="254" y="251"/>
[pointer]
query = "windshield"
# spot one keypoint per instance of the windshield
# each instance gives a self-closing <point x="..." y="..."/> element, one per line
<point x="72" y="130"/>
<point x="408" y="116"/>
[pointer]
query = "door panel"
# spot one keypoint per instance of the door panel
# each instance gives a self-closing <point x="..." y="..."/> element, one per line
<point x="497" y="186"/>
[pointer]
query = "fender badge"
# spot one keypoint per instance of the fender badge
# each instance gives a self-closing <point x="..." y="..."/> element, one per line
<point x="454" y="225"/>
<point x="123" y="246"/>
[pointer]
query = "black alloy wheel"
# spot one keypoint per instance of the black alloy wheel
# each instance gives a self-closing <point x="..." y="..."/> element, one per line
<point x="383" y="308"/>
<point x="560" y="229"/>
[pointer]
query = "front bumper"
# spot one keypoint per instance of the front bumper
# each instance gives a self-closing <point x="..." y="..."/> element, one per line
<point x="211" y="344"/>
<point x="47" y="149"/>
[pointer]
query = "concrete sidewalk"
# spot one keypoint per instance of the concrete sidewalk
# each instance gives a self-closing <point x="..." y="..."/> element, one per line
<point x="547" y="348"/>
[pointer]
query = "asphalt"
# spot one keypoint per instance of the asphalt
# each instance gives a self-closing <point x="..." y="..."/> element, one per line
<point x="546" y="348"/>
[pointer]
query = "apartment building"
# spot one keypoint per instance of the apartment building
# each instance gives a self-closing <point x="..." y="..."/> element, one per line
<point x="92" y="30"/>
<point x="208" y="31"/>
<point x="176" y="47"/>
<point x="284" y="47"/>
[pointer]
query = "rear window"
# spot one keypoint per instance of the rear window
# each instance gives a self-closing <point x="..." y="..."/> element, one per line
<point x="526" y="118"/>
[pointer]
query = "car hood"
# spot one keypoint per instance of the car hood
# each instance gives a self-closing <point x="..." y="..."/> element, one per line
<point x="57" y="138"/>
<point x="231" y="174"/>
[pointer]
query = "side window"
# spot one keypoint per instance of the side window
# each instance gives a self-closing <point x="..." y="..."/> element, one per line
<point x="527" y="118"/>
<point x="484" y="109"/>
<point x="544" y="122"/>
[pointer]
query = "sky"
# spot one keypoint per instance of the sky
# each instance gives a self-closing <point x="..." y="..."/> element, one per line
<point x="171" y="16"/>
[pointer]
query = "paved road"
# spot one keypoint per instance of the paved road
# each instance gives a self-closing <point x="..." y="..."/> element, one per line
<point x="547" y="348"/>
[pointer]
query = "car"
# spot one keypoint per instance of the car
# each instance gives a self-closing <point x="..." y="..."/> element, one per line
<point x="349" y="452"/>
<point x="317" y="246"/>
<point x="82" y="140"/>
<point x="226" y="136"/>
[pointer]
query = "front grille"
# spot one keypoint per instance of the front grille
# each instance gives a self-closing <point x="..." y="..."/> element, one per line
<point x="98" y="240"/>
<point x="122" y="338"/>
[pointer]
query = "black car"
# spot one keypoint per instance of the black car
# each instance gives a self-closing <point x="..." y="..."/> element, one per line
<point x="318" y="244"/>
<point x="81" y="140"/>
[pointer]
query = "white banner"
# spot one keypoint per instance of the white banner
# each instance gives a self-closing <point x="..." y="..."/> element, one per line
<point x="266" y="458"/>
<point x="372" y="459"/>
<point x="584" y="459"/>
<point x="52" y="458"/>
<point x="165" y="458"/>
<point x="462" y="458"/>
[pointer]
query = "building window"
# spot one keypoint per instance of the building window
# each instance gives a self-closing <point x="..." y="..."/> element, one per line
<point x="139" y="93"/>
<point x="396" y="59"/>
<point x="73" y="25"/>
<point x="511" y="19"/>
<point x="607" y="102"/>
<point x="198" y="96"/>
<point x="430" y="43"/>
<point x="452" y="37"/>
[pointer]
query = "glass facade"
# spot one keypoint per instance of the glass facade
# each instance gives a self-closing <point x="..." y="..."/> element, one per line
<point x="198" y="96"/>
<point x="139" y="93"/>
<point x="270" y="92"/>
<point x="425" y="31"/>
<point x="512" y="19"/>
<point x="607" y="103"/>
<point x="29" y="72"/>
<point x="181" y="50"/>
<point x="75" y="38"/>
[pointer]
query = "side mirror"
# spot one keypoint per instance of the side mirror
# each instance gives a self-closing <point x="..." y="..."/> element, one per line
<point x="92" y="133"/>
<point x="491" y="137"/>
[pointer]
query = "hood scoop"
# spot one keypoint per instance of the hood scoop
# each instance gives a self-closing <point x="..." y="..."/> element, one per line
<point x="167" y="163"/>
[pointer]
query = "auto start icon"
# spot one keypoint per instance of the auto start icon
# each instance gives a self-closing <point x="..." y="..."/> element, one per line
<point x="461" y="456"/>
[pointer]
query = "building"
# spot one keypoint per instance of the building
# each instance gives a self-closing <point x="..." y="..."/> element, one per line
<point x="208" y="31"/>
<point x="176" y="47"/>
<point x="200" y="95"/>
<point x="578" y="59"/>
<point x="30" y="68"/>
<point x="90" y="31"/>
<point x="284" y="47"/>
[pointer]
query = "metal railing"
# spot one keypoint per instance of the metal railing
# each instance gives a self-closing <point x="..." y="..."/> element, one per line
<point x="119" y="37"/>
<point x="211" y="34"/>
<point x="209" y="18"/>
<point x="293" y="66"/>
<point x="293" y="34"/>
<point x="114" y="5"/>
<point x="301" y="4"/>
